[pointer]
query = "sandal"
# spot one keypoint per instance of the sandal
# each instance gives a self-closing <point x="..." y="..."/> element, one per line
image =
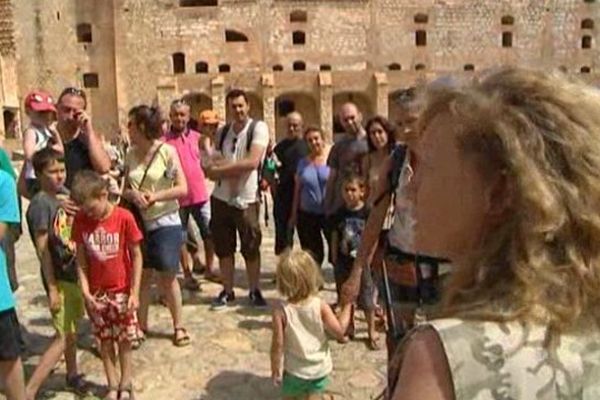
<point x="373" y="343"/>
<point x="212" y="277"/>
<point x="138" y="341"/>
<point x="182" y="340"/>
<point x="78" y="385"/>
<point x="126" y="393"/>
<point x="111" y="394"/>
<point x="190" y="283"/>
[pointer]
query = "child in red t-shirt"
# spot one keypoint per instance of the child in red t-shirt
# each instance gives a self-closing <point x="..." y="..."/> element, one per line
<point x="110" y="267"/>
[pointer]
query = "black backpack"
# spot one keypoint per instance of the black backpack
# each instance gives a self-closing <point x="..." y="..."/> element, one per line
<point x="249" y="137"/>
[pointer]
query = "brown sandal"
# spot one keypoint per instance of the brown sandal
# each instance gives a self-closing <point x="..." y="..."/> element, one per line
<point x="182" y="340"/>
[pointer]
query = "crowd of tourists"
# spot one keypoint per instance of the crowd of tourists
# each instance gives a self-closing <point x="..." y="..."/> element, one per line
<point x="496" y="176"/>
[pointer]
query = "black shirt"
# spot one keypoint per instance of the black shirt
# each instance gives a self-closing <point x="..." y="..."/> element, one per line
<point x="349" y="226"/>
<point x="289" y="152"/>
<point x="77" y="158"/>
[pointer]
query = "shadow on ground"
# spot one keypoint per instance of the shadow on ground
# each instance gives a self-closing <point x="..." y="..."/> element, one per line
<point x="238" y="385"/>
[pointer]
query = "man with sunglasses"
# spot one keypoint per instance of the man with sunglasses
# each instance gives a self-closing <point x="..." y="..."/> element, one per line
<point x="83" y="146"/>
<point x="235" y="204"/>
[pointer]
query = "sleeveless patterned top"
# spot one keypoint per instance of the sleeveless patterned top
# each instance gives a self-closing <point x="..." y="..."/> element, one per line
<point x="505" y="361"/>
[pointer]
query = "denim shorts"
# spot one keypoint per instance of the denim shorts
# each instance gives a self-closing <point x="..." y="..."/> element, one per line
<point x="161" y="249"/>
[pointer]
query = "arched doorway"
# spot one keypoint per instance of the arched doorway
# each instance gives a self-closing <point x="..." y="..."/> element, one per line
<point x="397" y="103"/>
<point x="10" y="124"/>
<point x="256" y="107"/>
<point x="285" y="103"/>
<point x="362" y="101"/>
<point x="198" y="102"/>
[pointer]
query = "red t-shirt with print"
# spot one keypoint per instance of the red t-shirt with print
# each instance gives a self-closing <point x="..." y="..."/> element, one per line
<point x="106" y="242"/>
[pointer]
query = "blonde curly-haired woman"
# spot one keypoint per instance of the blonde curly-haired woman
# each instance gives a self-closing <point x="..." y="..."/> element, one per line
<point x="507" y="185"/>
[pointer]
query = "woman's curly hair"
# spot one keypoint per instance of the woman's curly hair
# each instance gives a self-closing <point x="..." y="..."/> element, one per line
<point x="541" y="132"/>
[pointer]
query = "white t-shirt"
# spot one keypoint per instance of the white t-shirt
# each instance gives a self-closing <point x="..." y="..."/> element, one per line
<point x="243" y="190"/>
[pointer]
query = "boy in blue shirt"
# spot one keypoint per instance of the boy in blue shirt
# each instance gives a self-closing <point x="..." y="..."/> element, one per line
<point x="11" y="369"/>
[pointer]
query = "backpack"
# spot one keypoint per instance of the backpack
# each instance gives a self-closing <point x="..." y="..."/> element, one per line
<point x="249" y="137"/>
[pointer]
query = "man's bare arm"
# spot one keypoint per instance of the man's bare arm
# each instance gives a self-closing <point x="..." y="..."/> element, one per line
<point x="235" y="169"/>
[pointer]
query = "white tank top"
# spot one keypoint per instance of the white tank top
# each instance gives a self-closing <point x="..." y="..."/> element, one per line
<point x="42" y="137"/>
<point x="306" y="354"/>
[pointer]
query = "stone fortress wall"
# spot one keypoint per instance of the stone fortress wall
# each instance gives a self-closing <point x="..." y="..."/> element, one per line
<point x="307" y="55"/>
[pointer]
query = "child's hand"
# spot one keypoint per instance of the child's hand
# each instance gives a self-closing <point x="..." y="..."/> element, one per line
<point x="133" y="303"/>
<point x="91" y="303"/>
<point x="54" y="300"/>
<point x="67" y="204"/>
<point x="276" y="377"/>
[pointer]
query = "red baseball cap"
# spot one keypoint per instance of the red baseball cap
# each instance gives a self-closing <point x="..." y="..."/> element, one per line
<point x="39" y="100"/>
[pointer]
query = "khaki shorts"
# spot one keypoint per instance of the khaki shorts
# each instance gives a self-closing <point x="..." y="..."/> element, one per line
<point x="228" y="221"/>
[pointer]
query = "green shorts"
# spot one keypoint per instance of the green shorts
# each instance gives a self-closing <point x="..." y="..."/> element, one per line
<point x="292" y="386"/>
<point x="71" y="308"/>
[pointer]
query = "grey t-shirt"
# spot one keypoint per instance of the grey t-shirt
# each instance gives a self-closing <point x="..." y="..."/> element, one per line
<point x="345" y="157"/>
<point x="45" y="215"/>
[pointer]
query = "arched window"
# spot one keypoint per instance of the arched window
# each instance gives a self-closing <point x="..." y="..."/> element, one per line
<point x="420" y="67"/>
<point x="235" y="36"/>
<point x="469" y="67"/>
<point x="178" y="63"/>
<point x="84" y="33"/>
<point x="198" y="3"/>
<point x="278" y="68"/>
<point x="201" y="67"/>
<point x="325" y="67"/>
<point x="586" y="42"/>
<point x="421" y="38"/>
<point x="507" y="20"/>
<point x="224" y="68"/>
<point x="90" y="80"/>
<point x="421" y="18"/>
<point x="299" y="66"/>
<point x="298" y="37"/>
<point x="585" y="70"/>
<point x="507" y="39"/>
<point x="298" y="16"/>
<point x="587" y="23"/>
<point x="284" y="107"/>
<point x="394" y="67"/>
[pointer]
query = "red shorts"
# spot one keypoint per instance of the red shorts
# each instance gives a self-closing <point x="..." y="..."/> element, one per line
<point x="112" y="320"/>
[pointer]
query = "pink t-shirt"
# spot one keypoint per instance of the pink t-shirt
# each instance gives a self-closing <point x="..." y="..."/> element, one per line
<point x="189" y="155"/>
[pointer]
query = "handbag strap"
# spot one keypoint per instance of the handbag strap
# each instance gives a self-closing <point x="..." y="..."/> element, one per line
<point x="147" y="167"/>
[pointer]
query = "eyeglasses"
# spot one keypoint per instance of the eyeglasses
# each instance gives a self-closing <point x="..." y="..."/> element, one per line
<point x="73" y="90"/>
<point x="179" y="102"/>
<point x="233" y="144"/>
